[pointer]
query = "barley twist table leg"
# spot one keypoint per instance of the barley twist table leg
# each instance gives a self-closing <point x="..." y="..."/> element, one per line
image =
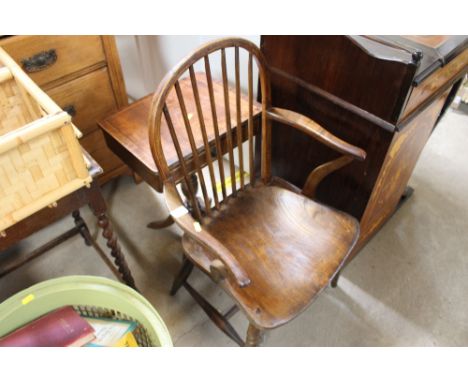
<point x="116" y="253"/>
<point x="99" y="208"/>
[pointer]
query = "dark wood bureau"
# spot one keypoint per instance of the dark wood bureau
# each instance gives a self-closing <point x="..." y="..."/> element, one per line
<point x="83" y="75"/>
<point x="384" y="94"/>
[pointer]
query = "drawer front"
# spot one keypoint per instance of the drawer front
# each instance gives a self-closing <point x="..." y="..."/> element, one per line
<point x="48" y="58"/>
<point x="95" y="145"/>
<point x="88" y="99"/>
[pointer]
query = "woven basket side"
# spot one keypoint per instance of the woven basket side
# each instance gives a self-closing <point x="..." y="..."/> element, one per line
<point x="32" y="170"/>
<point x="13" y="111"/>
<point x="41" y="160"/>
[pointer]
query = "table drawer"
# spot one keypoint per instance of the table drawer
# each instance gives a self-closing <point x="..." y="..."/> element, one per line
<point x="88" y="99"/>
<point x="48" y="58"/>
<point x="95" y="145"/>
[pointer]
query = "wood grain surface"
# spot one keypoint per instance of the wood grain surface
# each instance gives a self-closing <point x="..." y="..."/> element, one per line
<point x="289" y="246"/>
<point x="271" y="248"/>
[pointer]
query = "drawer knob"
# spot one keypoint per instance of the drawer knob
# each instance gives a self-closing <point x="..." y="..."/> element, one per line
<point x="70" y="109"/>
<point x="39" y="61"/>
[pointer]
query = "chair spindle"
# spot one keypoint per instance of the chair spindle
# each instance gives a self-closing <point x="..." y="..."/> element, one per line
<point x="206" y="144"/>
<point x="183" y="165"/>
<point x="219" y="152"/>
<point x="193" y="146"/>
<point x="228" y="121"/>
<point x="250" y="123"/>
<point x="239" y="124"/>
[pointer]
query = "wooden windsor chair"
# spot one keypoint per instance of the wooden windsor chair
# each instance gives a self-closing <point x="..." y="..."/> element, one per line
<point x="266" y="242"/>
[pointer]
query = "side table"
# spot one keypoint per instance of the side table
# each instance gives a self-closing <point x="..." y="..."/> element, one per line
<point x="126" y="132"/>
<point x="71" y="204"/>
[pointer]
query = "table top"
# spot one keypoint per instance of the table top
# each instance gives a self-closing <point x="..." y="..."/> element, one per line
<point x="130" y="129"/>
<point x="435" y="51"/>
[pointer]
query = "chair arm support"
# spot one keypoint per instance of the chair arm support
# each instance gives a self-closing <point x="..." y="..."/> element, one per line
<point x="320" y="172"/>
<point x="313" y="129"/>
<point x="202" y="236"/>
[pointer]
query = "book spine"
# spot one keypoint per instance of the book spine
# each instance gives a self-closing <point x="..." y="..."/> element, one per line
<point x="62" y="327"/>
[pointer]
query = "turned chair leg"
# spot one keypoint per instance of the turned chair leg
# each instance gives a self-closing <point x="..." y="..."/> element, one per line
<point x="334" y="281"/>
<point x="182" y="276"/>
<point x="254" y="336"/>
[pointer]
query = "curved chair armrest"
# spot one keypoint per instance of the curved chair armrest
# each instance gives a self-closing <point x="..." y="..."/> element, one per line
<point x="190" y="226"/>
<point x="313" y="129"/>
<point x="322" y="171"/>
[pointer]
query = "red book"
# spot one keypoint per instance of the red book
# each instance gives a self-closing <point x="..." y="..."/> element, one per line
<point x="62" y="327"/>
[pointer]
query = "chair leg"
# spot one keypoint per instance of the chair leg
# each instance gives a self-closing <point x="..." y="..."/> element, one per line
<point x="334" y="280"/>
<point x="254" y="336"/>
<point x="182" y="276"/>
<point x="218" y="319"/>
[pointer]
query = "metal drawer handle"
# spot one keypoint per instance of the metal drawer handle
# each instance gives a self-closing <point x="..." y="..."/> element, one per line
<point x="39" y="61"/>
<point x="70" y="109"/>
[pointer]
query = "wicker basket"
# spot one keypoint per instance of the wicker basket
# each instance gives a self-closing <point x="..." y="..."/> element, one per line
<point x="41" y="160"/>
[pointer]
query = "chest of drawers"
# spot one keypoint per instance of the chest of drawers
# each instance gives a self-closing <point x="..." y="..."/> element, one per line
<point x="83" y="75"/>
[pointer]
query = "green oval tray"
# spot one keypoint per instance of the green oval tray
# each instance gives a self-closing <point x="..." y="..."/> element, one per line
<point x="88" y="291"/>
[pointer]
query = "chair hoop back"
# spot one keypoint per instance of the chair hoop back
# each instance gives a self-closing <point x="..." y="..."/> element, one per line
<point x="215" y="132"/>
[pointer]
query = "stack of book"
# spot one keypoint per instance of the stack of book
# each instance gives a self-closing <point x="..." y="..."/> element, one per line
<point x="65" y="327"/>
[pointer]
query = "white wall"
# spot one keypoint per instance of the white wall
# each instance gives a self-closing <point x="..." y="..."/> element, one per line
<point x="146" y="59"/>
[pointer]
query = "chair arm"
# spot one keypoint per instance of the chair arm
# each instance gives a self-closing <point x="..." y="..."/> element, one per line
<point x="322" y="171"/>
<point x="190" y="226"/>
<point x="313" y="129"/>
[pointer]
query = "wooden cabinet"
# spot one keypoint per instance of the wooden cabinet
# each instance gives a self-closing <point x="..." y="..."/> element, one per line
<point x="384" y="94"/>
<point x="83" y="75"/>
